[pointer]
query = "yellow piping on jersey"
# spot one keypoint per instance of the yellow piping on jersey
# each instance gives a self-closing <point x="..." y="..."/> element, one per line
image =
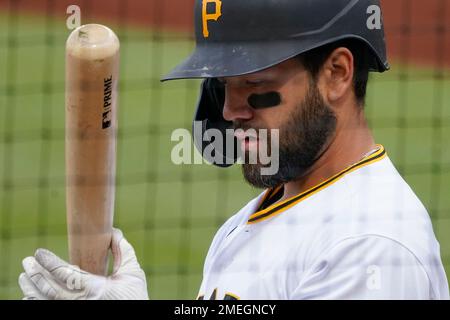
<point x="278" y="208"/>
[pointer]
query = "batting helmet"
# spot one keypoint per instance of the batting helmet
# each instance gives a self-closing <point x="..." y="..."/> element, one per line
<point x="236" y="37"/>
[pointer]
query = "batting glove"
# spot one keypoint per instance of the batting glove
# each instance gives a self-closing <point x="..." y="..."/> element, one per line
<point x="49" y="277"/>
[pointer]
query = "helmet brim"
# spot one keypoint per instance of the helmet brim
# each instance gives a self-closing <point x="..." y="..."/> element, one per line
<point x="214" y="60"/>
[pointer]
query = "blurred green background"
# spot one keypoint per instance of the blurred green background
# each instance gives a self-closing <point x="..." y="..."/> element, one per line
<point x="170" y="213"/>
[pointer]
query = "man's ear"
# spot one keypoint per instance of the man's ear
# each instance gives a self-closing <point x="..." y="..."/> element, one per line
<point x="337" y="74"/>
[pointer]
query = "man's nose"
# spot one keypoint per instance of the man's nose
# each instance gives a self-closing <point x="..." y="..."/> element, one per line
<point x="236" y="106"/>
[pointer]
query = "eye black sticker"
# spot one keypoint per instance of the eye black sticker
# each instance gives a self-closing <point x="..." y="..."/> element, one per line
<point x="265" y="100"/>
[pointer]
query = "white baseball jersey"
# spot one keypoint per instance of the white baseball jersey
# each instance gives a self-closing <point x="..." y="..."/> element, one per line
<point x="362" y="234"/>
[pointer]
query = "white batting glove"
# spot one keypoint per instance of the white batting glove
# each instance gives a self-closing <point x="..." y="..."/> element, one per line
<point x="47" y="276"/>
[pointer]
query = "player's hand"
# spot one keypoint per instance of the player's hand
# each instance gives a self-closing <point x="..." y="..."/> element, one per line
<point x="47" y="276"/>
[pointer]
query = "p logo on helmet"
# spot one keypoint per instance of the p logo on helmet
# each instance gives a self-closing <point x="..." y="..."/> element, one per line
<point x="210" y="16"/>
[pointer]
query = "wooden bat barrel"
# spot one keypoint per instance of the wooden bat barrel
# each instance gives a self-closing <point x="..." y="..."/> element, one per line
<point x="92" y="74"/>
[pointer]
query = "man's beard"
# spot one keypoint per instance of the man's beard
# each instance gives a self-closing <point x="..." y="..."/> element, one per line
<point x="303" y="139"/>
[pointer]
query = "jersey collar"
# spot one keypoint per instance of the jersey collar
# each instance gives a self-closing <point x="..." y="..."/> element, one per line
<point x="280" y="207"/>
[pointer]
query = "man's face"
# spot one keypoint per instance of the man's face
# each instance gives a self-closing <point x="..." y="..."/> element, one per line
<point x="304" y="121"/>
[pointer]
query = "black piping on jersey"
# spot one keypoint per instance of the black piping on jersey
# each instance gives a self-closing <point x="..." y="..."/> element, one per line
<point x="269" y="193"/>
<point x="378" y="155"/>
<point x="272" y="196"/>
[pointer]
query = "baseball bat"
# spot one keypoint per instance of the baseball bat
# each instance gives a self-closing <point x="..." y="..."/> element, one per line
<point x="92" y="73"/>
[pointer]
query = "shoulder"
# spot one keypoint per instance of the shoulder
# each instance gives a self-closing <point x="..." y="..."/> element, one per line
<point x="377" y="200"/>
<point x="374" y="217"/>
<point x="373" y="200"/>
<point x="380" y="187"/>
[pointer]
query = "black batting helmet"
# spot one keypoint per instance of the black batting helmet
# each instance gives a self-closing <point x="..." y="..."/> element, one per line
<point x="237" y="37"/>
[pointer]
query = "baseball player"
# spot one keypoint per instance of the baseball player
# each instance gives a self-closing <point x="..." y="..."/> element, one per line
<point x="336" y="220"/>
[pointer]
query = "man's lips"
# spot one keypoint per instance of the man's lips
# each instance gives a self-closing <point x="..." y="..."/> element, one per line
<point x="242" y="135"/>
<point x="247" y="140"/>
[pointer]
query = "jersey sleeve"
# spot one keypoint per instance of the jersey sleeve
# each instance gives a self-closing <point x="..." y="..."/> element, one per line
<point x="366" y="267"/>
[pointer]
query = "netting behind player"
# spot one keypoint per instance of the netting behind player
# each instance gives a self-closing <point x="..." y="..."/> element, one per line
<point x="171" y="212"/>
